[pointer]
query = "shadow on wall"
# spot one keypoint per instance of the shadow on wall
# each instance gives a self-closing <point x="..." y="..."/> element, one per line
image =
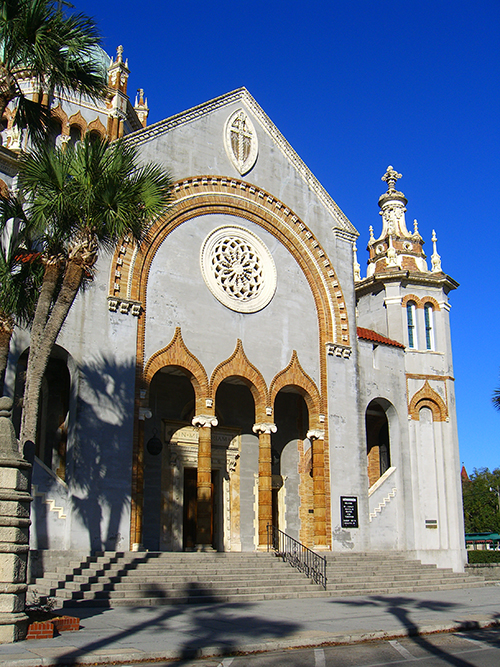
<point x="97" y="455"/>
<point x="100" y="453"/>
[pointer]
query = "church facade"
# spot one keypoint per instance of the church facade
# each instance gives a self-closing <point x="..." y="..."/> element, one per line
<point x="236" y="371"/>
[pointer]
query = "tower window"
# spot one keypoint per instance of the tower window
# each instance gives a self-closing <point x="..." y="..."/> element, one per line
<point x="429" y="336"/>
<point x="411" y="320"/>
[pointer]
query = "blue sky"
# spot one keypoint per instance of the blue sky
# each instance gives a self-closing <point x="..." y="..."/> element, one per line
<point x="356" y="86"/>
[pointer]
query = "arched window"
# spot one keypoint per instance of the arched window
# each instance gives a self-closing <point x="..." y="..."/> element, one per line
<point x="411" y="321"/>
<point x="429" y="329"/>
<point x="95" y="136"/>
<point x="377" y="440"/>
<point x="75" y="135"/>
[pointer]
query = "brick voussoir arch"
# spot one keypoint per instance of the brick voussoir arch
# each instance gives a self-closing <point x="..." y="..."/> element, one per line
<point x="214" y="194"/>
<point x="426" y="397"/>
<point x="177" y="354"/>
<point x="294" y="375"/>
<point x="420" y="302"/>
<point x="238" y="365"/>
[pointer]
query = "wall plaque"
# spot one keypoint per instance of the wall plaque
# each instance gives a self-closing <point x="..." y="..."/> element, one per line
<point x="349" y="511"/>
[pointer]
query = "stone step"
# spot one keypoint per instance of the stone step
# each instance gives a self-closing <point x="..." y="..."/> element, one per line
<point x="132" y="578"/>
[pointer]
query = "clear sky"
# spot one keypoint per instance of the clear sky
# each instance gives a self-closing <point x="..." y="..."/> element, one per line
<point x="356" y="86"/>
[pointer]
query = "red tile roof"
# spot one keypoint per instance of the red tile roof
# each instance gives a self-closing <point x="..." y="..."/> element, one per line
<point x="368" y="334"/>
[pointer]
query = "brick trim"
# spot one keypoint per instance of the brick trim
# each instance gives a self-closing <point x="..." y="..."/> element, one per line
<point x="427" y="397"/>
<point x="239" y="365"/>
<point x="420" y="302"/>
<point x="295" y="375"/>
<point x="177" y="354"/>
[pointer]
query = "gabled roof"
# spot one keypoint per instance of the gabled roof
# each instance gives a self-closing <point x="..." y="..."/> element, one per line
<point x="368" y="334"/>
<point x="242" y="95"/>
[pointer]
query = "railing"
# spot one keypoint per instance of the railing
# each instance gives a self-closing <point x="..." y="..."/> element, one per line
<point x="297" y="554"/>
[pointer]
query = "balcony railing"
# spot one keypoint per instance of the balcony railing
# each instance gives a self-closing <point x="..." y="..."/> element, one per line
<point x="297" y="554"/>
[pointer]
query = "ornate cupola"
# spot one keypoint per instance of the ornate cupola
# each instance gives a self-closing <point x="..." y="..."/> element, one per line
<point x="118" y="74"/>
<point x="396" y="249"/>
<point x="141" y="107"/>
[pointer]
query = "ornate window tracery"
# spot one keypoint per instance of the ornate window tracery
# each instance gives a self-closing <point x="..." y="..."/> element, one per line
<point x="238" y="269"/>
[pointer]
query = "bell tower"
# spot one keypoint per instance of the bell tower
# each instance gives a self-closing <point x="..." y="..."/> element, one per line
<point x="406" y="301"/>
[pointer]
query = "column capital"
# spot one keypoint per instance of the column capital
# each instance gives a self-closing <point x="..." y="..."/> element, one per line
<point x="204" y="421"/>
<point x="264" y="427"/>
<point x="316" y="434"/>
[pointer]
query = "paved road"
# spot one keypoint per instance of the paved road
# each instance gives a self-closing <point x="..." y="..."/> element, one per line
<point x="471" y="649"/>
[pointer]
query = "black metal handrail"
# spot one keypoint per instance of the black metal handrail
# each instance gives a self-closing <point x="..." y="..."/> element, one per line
<point x="297" y="554"/>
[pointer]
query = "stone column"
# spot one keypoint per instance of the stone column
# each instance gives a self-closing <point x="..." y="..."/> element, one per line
<point x="14" y="529"/>
<point x="317" y="438"/>
<point x="265" y="480"/>
<point x="204" y="424"/>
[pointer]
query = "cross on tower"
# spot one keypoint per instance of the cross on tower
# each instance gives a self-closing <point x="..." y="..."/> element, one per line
<point x="390" y="177"/>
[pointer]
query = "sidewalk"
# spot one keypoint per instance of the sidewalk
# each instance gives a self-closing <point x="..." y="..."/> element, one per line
<point x="132" y="634"/>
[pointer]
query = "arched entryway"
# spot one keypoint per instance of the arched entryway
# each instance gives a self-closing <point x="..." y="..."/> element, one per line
<point x="292" y="484"/>
<point x="53" y="414"/>
<point x="377" y="439"/>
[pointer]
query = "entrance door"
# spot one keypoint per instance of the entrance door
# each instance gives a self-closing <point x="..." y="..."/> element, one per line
<point x="190" y="505"/>
<point x="189" y="509"/>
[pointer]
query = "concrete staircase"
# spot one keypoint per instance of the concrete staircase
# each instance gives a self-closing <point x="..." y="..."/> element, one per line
<point x="115" y="579"/>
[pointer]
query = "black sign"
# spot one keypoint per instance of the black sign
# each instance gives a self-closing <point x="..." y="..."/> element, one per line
<point x="349" y="511"/>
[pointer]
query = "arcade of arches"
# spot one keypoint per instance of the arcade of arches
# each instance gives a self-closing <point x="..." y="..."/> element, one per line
<point x="254" y="457"/>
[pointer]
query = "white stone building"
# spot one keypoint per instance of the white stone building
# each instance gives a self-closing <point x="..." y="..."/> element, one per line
<point x="236" y="370"/>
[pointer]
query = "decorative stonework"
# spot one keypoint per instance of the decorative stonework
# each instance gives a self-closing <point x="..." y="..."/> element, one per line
<point x="238" y="269"/>
<point x="336" y="350"/>
<point x="265" y="427"/>
<point x="204" y="421"/>
<point x="240" y="141"/>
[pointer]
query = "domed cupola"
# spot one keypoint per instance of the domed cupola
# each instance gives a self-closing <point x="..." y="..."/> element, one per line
<point x="396" y="249"/>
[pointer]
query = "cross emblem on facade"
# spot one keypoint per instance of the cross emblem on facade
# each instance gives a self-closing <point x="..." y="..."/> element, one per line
<point x="241" y="136"/>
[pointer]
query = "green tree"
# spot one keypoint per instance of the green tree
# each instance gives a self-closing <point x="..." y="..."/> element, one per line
<point x="56" y="52"/>
<point x="81" y="200"/>
<point x="20" y="274"/>
<point x="481" y="512"/>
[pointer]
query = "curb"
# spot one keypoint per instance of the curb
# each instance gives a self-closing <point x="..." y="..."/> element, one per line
<point x="336" y="639"/>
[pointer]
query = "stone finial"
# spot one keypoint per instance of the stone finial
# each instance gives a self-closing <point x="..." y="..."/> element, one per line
<point x="356" y="266"/>
<point x="435" y="258"/>
<point x="119" y="54"/>
<point x="372" y="238"/>
<point x="390" y="177"/>
<point x="8" y="441"/>
<point x="415" y="226"/>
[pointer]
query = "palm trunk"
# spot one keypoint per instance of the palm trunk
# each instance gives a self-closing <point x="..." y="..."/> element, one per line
<point x="49" y="284"/>
<point x="45" y="338"/>
<point x="6" y="330"/>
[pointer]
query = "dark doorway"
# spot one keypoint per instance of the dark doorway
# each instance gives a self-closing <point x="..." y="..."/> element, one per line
<point x="189" y="509"/>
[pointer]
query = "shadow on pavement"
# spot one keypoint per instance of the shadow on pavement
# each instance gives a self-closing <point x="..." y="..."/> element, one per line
<point x="208" y="625"/>
<point x="402" y="608"/>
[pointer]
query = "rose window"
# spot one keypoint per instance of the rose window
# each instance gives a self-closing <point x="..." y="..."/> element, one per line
<point x="238" y="269"/>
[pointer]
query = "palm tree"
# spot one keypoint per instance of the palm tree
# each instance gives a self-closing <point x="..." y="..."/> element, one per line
<point x="496" y="398"/>
<point x="82" y="200"/>
<point x="56" y="52"/>
<point x="20" y="274"/>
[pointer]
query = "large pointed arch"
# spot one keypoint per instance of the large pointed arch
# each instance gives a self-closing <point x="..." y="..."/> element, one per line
<point x="238" y="365"/>
<point x="177" y="354"/>
<point x="294" y="375"/>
